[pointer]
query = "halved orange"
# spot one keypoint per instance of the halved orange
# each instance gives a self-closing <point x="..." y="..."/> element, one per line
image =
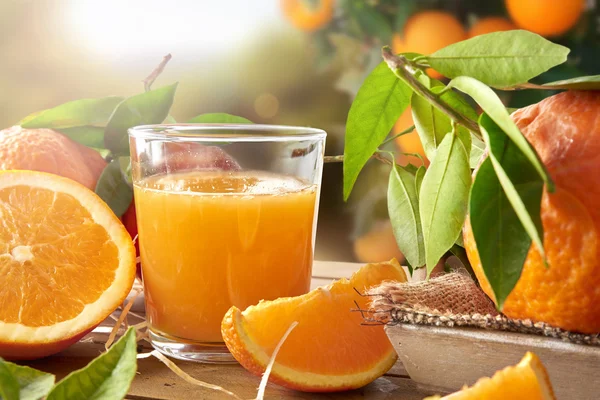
<point x="66" y="262"/>
<point x="528" y="380"/>
<point x="330" y="349"/>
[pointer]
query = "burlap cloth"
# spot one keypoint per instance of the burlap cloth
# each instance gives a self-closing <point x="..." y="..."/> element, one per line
<point x="453" y="300"/>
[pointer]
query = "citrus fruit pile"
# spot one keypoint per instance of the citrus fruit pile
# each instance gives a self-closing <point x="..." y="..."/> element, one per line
<point x="330" y="349"/>
<point x="66" y="263"/>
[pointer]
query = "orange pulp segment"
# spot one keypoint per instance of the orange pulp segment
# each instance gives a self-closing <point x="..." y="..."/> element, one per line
<point x="528" y="380"/>
<point x="330" y="349"/>
<point x="66" y="263"/>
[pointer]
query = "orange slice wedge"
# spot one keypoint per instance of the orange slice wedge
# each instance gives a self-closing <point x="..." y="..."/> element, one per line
<point x="330" y="349"/>
<point x="66" y="262"/>
<point x="528" y="380"/>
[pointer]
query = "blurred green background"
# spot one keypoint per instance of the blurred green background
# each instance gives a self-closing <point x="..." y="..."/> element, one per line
<point x="297" y="62"/>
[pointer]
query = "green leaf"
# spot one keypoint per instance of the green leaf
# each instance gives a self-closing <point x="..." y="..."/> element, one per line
<point x="91" y="136"/>
<point x="499" y="59"/>
<point x="219" y="118"/>
<point x="477" y="151"/>
<point x="419" y="175"/>
<point x="492" y="106"/>
<point x="403" y="209"/>
<point x="114" y="189"/>
<point x="74" y="113"/>
<point x="581" y="83"/>
<point x="146" y="108"/>
<point x="512" y="168"/>
<point x="32" y="384"/>
<point x="107" y="377"/>
<point x="370" y="20"/>
<point x="443" y="198"/>
<point x="378" y="104"/>
<point x="104" y="153"/>
<point x="501" y="240"/>
<point x="125" y="165"/>
<point x="9" y="386"/>
<point x="431" y="124"/>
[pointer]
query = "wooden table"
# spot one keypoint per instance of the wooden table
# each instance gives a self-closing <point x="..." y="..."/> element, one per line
<point x="155" y="381"/>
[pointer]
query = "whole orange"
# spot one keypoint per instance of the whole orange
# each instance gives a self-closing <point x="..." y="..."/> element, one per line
<point x="303" y="16"/>
<point x="428" y="31"/>
<point x="564" y="131"/>
<point x="545" y="17"/>
<point x="489" y="25"/>
<point x="46" y="150"/>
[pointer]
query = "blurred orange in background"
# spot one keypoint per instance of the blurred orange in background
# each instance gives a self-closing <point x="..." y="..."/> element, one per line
<point x="546" y="17"/>
<point x="428" y="31"/>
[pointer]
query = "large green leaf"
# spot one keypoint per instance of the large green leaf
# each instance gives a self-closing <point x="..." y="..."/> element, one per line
<point x="403" y="209"/>
<point x="493" y="107"/>
<point x="219" y="118"/>
<point x="501" y="241"/>
<point x="33" y="384"/>
<point x="146" y="108"/>
<point x="107" y="377"/>
<point x="9" y="387"/>
<point x="379" y="103"/>
<point x="443" y="198"/>
<point x="499" y="59"/>
<point x="513" y="168"/>
<point x="580" y="83"/>
<point x="91" y="136"/>
<point x="431" y="124"/>
<point x="113" y="188"/>
<point x="74" y="113"/>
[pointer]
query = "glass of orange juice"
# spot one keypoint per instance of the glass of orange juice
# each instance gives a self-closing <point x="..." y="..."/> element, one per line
<point x="226" y="216"/>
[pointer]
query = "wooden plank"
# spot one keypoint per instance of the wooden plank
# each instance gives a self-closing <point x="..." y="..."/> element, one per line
<point x="448" y="358"/>
<point x="155" y="381"/>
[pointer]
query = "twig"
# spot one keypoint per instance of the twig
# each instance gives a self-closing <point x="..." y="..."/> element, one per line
<point x="404" y="132"/>
<point x="157" y="71"/>
<point x="401" y="68"/>
<point x="340" y="158"/>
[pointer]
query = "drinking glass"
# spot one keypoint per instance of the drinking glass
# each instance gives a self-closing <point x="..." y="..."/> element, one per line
<point x="226" y="217"/>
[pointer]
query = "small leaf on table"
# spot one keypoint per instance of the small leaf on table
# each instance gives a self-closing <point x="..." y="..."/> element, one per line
<point x="219" y="118"/>
<point x="443" y="198"/>
<point x="499" y="59"/>
<point x="74" y="113"/>
<point x="32" y="384"/>
<point x="403" y="209"/>
<point x="108" y="377"/>
<point x="379" y="103"/>
<point x="9" y="387"/>
<point x="493" y="107"/>
<point x="521" y="185"/>
<point x="146" y="108"/>
<point x="114" y="189"/>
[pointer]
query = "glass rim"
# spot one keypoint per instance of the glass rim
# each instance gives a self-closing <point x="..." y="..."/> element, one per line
<point x="231" y="132"/>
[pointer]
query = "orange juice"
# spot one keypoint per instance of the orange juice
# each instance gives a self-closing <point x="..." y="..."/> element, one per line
<point x="210" y="240"/>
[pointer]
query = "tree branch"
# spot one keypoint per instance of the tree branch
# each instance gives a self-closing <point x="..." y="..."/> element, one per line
<point x="157" y="71"/>
<point x="402" y="68"/>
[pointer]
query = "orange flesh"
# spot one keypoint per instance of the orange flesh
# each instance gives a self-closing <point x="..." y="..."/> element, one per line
<point x="526" y="380"/>
<point x="37" y="262"/>
<point x="210" y="240"/>
<point x="329" y="338"/>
